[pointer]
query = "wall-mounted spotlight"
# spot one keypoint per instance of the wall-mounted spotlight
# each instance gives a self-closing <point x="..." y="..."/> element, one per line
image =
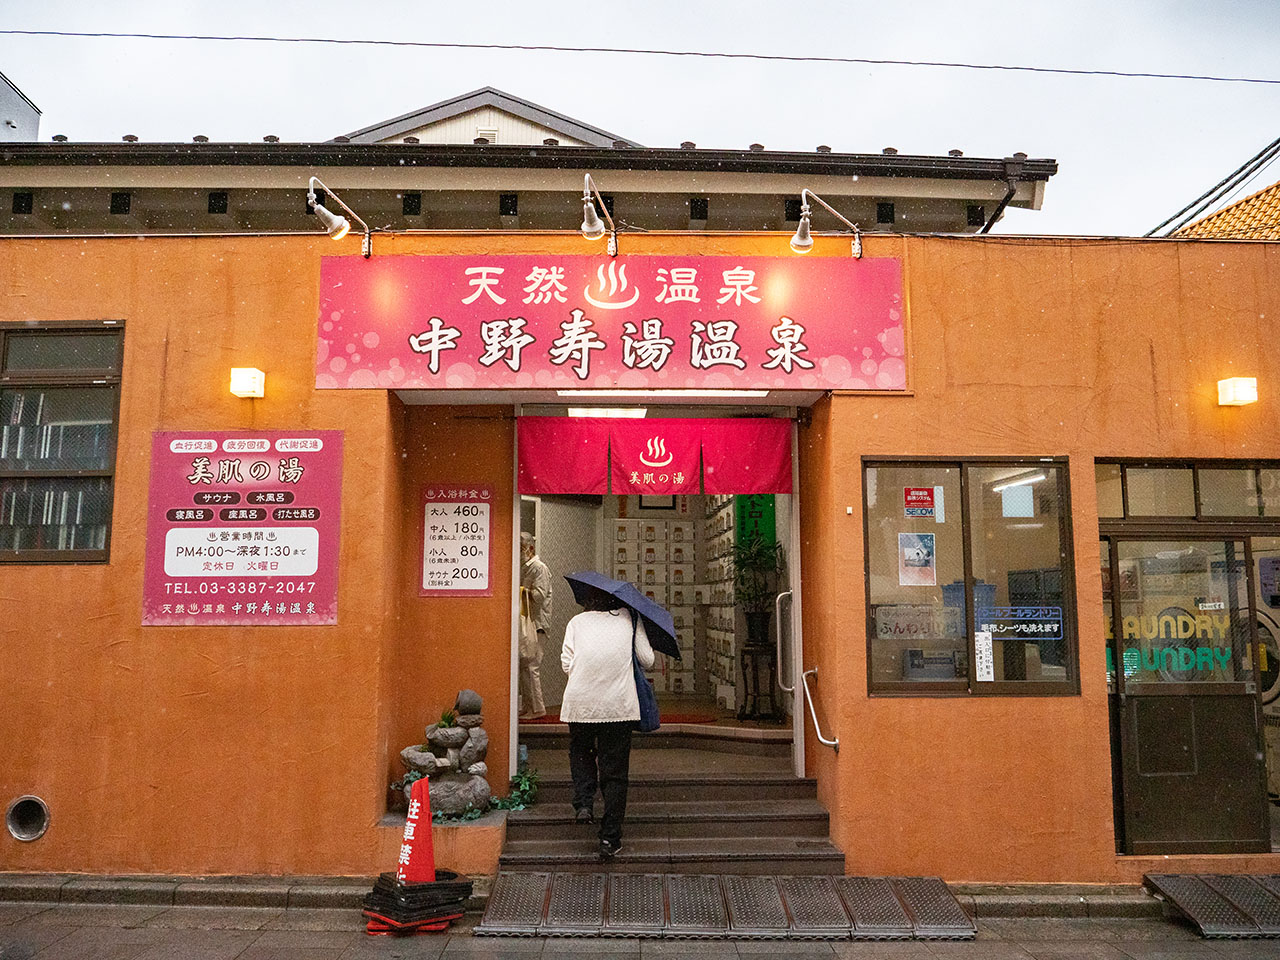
<point x="248" y="382"/>
<point x="592" y="228"/>
<point x="802" y="242"/>
<point x="1237" y="391"/>
<point x="335" y="225"/>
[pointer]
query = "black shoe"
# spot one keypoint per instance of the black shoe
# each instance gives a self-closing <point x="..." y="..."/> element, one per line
<point x="609" y="850"/>
<point x="583" y="815"/>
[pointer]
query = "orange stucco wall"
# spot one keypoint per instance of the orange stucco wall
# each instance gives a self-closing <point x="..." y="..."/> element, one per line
<point x="268" y="749"/>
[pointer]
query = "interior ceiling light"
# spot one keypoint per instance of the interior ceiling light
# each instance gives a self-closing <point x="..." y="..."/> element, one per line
<point x="335" y="225"/>
<point x="592" y="228"/>
<point x="613" y="412"/>
<point x="662" y="394"/>
<point x="802" y="241"/>
<point x="1020" y="482"/>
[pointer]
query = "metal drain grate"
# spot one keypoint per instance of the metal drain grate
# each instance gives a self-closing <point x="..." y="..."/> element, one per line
<point x="695" y="907"/>
<point x="815" y="908"/>
<point x="576" y="907"/>
<point x="636" y="906"/>
<point x="516" y="903"/>
<point x="874" y="909"/>
<point x="743" y="907"/>
<point x="937" y="914"/>
<point x="755" y="907"/>
<point x="1205" y="906"/>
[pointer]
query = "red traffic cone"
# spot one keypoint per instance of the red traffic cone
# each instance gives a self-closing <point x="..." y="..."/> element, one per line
<point x="417" y="860"/>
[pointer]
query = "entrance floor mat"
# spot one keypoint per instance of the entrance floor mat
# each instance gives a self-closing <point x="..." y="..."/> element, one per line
<point x="717" y="907"/>
<point x="1230" y="906"/>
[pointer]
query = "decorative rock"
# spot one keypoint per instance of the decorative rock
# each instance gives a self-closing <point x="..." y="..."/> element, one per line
<point x="426" y="736"/>
<point x="445" y="737"/>
<point x="474" y="750"/>
<point x="420" y="760"/>
<point x="452" y="794"/>
<point x="470" y="720"/>
<point x="454" y="759"/>
<point x="479" y="769"/>
<point x="468" y="702"/>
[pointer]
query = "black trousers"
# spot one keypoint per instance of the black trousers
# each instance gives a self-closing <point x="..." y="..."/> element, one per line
<point x="600" y="753"/>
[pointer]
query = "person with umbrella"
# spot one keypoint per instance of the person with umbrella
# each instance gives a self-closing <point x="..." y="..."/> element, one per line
<point x="601" y="704"/>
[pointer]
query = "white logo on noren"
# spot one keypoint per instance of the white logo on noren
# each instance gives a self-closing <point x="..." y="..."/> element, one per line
<point x="657" y="450"/>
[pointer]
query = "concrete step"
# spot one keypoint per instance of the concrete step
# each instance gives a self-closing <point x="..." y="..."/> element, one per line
<point x="759" y="787"/>
<point x="762" y="742"/>
<point x="679" y="819"/>
<point x="783" y="856"/>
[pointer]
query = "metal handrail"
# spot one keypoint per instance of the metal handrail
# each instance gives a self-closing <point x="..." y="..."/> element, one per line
<point x="804" y="678"/>
<point x="777" y="609"/>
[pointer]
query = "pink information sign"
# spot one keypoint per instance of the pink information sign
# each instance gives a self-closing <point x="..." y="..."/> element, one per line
<point x="648" y="322"/>
<point x="242" y="528"/>
<point x="457" y="559"/>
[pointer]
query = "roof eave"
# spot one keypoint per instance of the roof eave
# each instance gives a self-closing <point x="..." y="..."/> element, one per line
<point x="330" y="154"/>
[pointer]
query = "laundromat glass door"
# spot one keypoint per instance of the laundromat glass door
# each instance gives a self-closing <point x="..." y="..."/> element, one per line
<point x="1193" y="780"/>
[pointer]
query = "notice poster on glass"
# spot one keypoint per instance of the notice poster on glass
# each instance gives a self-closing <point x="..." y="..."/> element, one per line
<point x="242" y="528"/>
<point x="917" y="564"/>
<point x="457" y="559"/>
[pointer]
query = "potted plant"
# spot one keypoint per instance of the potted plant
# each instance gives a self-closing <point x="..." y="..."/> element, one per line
<point x="757" y="565"/>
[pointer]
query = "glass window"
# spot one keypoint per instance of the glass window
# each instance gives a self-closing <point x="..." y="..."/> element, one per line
<point x="1015" y="532"/>
<point x="916" y="575"/>
<point x="1269" y="481"/>
<point x="57" y="428"/>
<point x="1161" y="492"/>
<point x="1184" y="608"/>
<point x="1228" y="492"/>
<point x="57" y="444"/>
<point x="998" y="615"/>
<point x="61" y="351"/>
<point x="1110" y="491"/>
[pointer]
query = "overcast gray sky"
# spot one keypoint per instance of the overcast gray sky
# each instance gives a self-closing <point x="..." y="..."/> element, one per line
<point x="1131" y="151"/>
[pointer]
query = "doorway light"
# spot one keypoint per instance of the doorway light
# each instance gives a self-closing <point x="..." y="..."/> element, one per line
<point x="248" y="382"/>
<point x="663" y="394"/>
<point x="1237" y="391"/>
<point x="1021" y="481"/>
<point x="592" y="228"/>
<point x="615" y="412"/>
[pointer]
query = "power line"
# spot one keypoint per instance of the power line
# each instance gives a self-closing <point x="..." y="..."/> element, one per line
<point x="1224" y="186"/>
<point x="640" y="51"/>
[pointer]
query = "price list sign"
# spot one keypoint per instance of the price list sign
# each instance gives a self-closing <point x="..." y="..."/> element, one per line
<point x="457" y="560"/>
<point x="242" y="529"/>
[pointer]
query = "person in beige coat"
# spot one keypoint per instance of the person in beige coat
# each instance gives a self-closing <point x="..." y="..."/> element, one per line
<point x="601" y="708"/>
<point x="535" y="581"/>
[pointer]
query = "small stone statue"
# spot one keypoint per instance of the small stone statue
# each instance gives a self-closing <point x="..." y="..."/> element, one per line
<point x="452" y="759"/>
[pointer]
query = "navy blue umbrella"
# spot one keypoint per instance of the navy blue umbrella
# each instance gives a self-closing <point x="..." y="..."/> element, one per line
<point x="658" y="625"/>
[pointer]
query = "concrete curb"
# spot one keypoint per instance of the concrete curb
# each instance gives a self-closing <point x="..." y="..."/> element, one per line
<point x="980" y="901"/>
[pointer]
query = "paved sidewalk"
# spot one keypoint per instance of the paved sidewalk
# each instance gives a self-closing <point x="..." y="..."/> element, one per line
<point x="35" y="931"/>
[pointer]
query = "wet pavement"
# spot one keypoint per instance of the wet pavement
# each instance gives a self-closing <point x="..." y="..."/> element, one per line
<point x="36" y="931"/>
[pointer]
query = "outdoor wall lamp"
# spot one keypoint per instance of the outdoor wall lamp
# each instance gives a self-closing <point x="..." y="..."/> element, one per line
<point x="337" y="226"/>
<point x="1237" y="391"/>
<point x="248" y="382"/>
<point x="802" y="242"/>
<point x="592" y="228"/>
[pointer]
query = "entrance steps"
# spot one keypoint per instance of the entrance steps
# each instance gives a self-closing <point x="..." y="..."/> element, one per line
<point x="748" y="824"/>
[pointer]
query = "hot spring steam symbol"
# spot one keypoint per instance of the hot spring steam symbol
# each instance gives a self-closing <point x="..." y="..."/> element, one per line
<point x="658" y="455"/>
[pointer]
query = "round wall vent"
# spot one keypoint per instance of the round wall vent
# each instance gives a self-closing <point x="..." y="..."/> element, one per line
<point x="27" y="818"/>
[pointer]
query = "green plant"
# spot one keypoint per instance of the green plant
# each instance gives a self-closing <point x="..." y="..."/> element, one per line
<point x="470" y="812"/>
<point x="757" y="564"/>
<point x="523" y="792"/>
<point x="448" y="719"/>
<point x="409" y="778"/>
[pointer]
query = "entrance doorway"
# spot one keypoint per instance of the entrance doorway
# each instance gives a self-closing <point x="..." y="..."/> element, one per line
<point x="1189" y="557"/>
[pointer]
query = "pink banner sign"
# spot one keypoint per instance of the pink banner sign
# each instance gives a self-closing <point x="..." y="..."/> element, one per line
<point x="656" y="456"/>
<point x="556" y="321"/>
<point x="243" y="528"/>
<point x="563" y="455"/>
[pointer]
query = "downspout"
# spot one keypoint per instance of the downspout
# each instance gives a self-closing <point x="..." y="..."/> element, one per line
<point x="1012" y="171"/>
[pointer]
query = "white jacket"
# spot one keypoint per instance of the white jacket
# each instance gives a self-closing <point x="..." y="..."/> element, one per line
<point x="597" y="657"/>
